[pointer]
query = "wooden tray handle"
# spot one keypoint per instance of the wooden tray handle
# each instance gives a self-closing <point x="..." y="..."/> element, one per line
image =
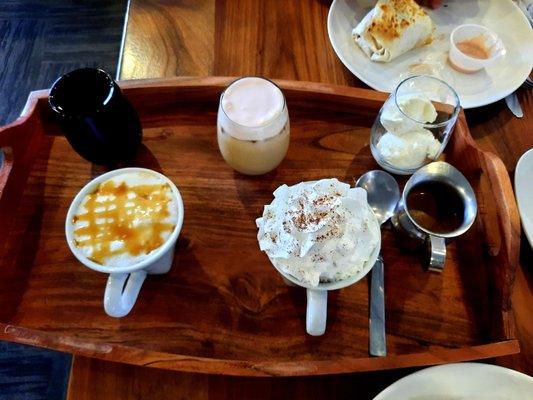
<point x="507" y="210"/>
<point x="504" y="245"/>
<point x="500" y="220"/>
<point x="19" y="143"/>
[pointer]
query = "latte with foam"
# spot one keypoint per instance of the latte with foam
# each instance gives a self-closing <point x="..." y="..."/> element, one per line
<point x="253" y="126"/>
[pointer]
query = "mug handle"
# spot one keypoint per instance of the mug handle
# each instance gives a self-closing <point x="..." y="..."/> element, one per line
<point x="120" y="296"/>
<point x="437" y="249"/>
<point x="317" y="312"/>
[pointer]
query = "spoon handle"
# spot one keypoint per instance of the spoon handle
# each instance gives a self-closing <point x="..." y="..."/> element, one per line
<point x="378" y="344"/>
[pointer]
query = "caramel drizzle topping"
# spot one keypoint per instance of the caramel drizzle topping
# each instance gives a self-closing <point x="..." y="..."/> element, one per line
<point x="116" y="215"/>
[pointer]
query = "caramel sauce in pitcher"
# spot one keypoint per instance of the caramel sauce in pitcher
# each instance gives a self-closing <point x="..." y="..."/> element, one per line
<point x="436" y="206"/>
<point x="132" y="215"/>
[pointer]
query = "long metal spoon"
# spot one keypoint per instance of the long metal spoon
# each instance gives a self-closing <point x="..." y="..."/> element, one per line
<point x="383" y="194"/>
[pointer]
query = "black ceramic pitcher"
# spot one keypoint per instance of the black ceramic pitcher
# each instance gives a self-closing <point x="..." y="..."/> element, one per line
<point x="96" y="118"/>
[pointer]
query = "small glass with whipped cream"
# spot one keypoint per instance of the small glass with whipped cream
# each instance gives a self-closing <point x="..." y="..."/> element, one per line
<point x="414" y="125"/>
<point x="253" y="129"/>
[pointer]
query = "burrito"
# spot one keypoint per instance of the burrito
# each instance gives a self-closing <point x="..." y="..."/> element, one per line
<point x="391" y="28"/>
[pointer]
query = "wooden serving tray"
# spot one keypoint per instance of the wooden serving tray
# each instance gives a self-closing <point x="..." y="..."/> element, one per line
<point x="223" y="308"/>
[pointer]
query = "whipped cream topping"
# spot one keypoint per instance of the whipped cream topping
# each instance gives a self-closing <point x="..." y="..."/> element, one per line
<point x="417" y="108"/>
<point x="407" y="144"/>
<point x="409" y="150"/>
<point x="321" y="231"/>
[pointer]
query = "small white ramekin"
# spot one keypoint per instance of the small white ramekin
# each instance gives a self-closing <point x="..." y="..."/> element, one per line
<point x="466" y="63"/>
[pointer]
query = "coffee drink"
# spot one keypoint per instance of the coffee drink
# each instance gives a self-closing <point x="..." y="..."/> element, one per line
<point x="253" y="126"/>
<point x="125" y="219"/>
<point x="319" y="232"/>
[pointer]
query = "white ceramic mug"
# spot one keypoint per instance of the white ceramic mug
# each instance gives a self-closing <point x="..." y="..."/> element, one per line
<point x="124" y="283"/>
<point x="317" y="296"/>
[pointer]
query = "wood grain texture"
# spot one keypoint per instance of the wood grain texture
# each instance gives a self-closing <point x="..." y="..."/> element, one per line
<point x="223" y="308"/>
<point x="497" y="130"/>
<point x="127" y="382"/>
<point x="272" y="38"/>
<point x="288" y="40"/>
<point x="284" y="40"/>
<point x="168" y="38"/>
<point x="492" y="127"/>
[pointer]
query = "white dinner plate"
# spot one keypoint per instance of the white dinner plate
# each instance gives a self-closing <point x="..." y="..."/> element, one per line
<point x="464" y="381"/>
<point x="474" y="90"/>
<point x="523" y="186"/>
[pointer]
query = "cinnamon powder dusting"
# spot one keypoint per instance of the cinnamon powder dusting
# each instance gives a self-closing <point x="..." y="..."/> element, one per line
<point x="113" y="214"/>
<point x="303" y="219"/>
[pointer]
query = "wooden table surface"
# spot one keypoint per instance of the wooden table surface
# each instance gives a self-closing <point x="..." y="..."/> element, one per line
<point x="286" y="40"/>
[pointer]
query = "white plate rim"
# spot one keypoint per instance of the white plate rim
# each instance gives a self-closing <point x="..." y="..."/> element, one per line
<point x="518" y="185"/>
<point x="452" y="366"/>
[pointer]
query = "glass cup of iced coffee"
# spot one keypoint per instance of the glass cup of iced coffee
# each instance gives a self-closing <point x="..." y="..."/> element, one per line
<point x="253" y="128"/>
